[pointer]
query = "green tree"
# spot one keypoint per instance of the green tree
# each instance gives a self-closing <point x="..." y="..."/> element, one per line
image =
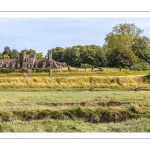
<point x="14" y="54"/>
<point x="140" y="47"/>
<point x="39" y="56"/>
<point x="71" y="56"/>
<point x="1" y="55"/>
<point x="5" y="56"/>
<point x="57" y="53"/>
<point x="28" y="52"/>
<point x="127" y="35"/>
<point x="7" y="51"/>
<point x="122" y="56"/>
<point x="122" y="33"/>
<point x="88" y="54"/>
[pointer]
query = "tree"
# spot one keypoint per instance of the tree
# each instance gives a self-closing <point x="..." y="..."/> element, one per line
<point x="127" y="35"/>
<point x="1" y="56"/>
<point x="39" y="56"/>
<point x="71" y="56"/>
<point x="7" y="51"/>
<point x="122" y="56"/>
<point x="57" y="53"/>
<point x="14" y="54"/>
<point x="28" y="52"/>
<point x="140" y="47"/>
<point x="5" y="56"/>
<point x="122" y="33"/>
<point x="88" y="54"/>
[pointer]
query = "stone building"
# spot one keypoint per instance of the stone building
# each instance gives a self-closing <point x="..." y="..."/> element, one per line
<point x="30" y="61"/>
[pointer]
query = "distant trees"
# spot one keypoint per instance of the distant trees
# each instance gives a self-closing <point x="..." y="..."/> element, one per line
<point x="76" y="55"/>
<point x="39" y="56"/>
<point x="124" y="47"/>
<point x="14" y="54"/>
<point x="7" y="51"/>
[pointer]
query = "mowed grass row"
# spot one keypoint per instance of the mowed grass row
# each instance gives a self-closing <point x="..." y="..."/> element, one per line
<point x="14" y="100"/>
<point x="32" y="109"/>
<point x="64" y="126"/>
<point x="75" y="82"/>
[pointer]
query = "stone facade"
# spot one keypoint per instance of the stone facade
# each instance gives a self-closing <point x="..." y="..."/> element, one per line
<point x="30" y="61"/>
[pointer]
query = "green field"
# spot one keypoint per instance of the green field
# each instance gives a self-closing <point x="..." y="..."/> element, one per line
<point x="74" y="111"/>
<point x="76" y="101"/>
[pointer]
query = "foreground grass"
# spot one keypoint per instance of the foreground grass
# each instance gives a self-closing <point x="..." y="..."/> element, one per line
<point x="51" y="125"/>
<point x="10" y="101"/>
<point x="66" y="111"/>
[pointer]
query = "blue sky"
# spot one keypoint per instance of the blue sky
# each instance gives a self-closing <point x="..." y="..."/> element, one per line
<point x="42" y="34"/>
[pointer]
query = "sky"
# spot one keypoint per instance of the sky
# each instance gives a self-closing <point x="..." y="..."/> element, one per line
<point x="43" y="34"/>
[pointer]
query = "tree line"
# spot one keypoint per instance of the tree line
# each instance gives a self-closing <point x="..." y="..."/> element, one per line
<point x="125" y="46"/>
<point x="14" y="54"/>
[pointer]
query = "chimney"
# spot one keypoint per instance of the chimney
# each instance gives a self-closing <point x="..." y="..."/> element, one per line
<point x="35" y="55"/>
<point x="18" y="56"/>
<point x="34" y="58"/>
<point x="50" y="55"/>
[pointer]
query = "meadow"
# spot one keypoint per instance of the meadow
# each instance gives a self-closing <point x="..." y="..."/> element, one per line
<point x="76" y="101"/>
<point x="77" y="111"/>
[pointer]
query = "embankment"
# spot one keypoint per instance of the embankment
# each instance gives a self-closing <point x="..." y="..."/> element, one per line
<point x="76" y="82"/>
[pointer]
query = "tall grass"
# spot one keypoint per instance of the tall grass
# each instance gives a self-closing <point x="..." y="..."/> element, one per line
<point x="74" y="82"/>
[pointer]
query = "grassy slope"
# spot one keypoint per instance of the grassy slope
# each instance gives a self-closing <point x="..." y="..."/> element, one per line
<point x="75" y="82"/>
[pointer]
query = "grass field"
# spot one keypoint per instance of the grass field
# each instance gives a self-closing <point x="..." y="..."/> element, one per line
<point x="65" y="103"/>
<point x="75" y="111"/>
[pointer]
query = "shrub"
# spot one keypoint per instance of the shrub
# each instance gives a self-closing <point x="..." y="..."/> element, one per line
<point x="6" y="70"/>
<point x="100" y="69"/>
<point x="24" y="70"/>
<point x="69" y="69"/>
<point x="42" y="70"/>
<point x="92" y="69"/>
<point x="141" y="66"/>
<point x="120" y="68"/>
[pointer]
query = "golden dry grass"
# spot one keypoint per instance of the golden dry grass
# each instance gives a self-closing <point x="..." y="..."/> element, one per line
<point x="73" y="82"/>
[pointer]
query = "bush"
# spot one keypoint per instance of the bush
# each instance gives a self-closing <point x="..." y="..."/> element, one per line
<point x="24" y="70"/>
<point x="6" y="70"/>
<point x="141" y="66"/>
<point x="43" y="70"/>
<point x="69" y="69"/>
<point x="100" y="69"/>
<point x="120" y="68"/>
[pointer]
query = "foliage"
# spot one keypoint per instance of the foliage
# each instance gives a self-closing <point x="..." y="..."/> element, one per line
<point x="4" y="70"/>
<point x="22" y="70"/>
<point x="7" y="51"/>
<point x="5" y="56"/>
<point x="14" y="54"/>
<point x="140" y="47"/>
<point x="30" y="51"/>
<point x="127" y="35"/>
<point x="86" y="66"/>
<point x="122" y="56"/>
<point x="57" y="53"/>
<point x="42" y="69"/>
<point x="39" y="56"/>
<point x="140" y="66"/>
